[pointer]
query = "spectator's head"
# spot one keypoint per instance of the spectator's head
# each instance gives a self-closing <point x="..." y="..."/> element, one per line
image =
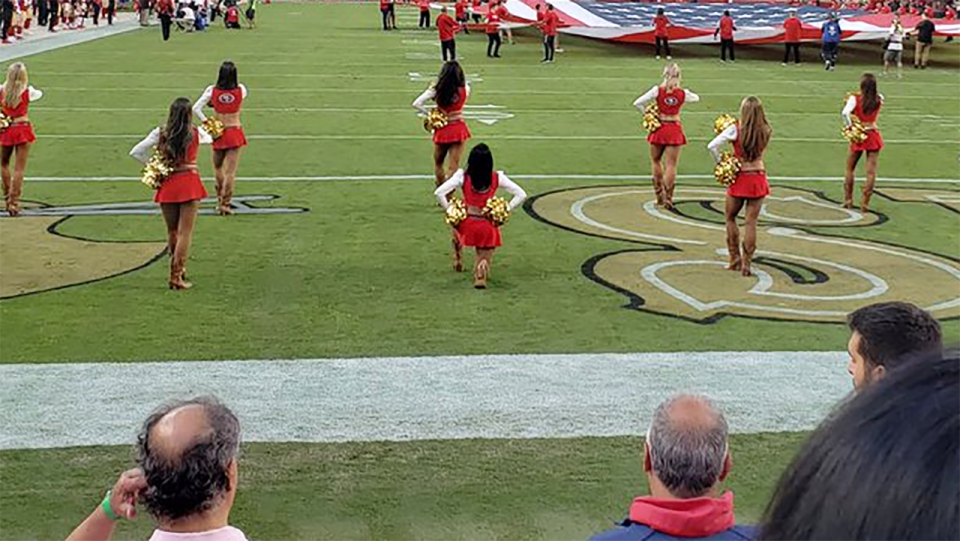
<point x="671" y="76"/>
<point x="686" y="452"/>
<point x="443" y="10"/>
<point x="793" y="13"/>
<point x="449" y="83"/>
<point x="188" y="454"/>
<point x="659" y="11"/>
<point x="178" y="133"/>
<point x="549" y="7"/>
<point x="480" y="167"/>
<point x="832" y="16"/>
<point x="755" y="131"/>
<point x="726" y="13"/>
<point x="885" y="466"/>
<point x="887" y="334"/>
<point x="15" y="85"/>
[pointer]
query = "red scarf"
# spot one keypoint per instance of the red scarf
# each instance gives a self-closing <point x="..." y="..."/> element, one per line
<point x="696" y="517"/>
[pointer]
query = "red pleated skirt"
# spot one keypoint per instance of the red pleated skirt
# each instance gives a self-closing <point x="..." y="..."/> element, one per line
<point x="668" y="134"/>
<point x="479" y="232"/>
<point x="750" y="185"/>
<point x="873" y="142"/>
<point x="232" y="137"/>
<point x="454" y="132"/>
<point x="17" y="134"/>
<point x="180" y="188"/>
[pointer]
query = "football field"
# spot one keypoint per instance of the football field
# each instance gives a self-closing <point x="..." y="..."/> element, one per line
<point x="381" y="396"/>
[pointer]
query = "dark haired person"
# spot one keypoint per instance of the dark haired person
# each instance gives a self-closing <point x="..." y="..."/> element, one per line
<point x="924" y="31"/>
<point x="226" y="98"/>
<point x="450" y="93"/>
<point x="549" y="26"/>
<point x="165" y="12"/>
<point x="750" y="138"/>
<point x="725" y="29"/>
<point x="424" y="13"/>
<point x="830" y="35"/>
<point x="886" y="465"/>
<point x="479" y="183"/>
<point x="460" y="13"/>
<point x="887" y="335"/>
<point x="792" y="29"/>
<point x="686" y="457"/>
<point x="661" y="33"/>
<point x="180" y="193"/>
<point x="865" y="106"/>
<point x="492" y="29"/>
<point x="186" y="477"/>
<point x="385" y="6"/>
<point x="447" y="28"/>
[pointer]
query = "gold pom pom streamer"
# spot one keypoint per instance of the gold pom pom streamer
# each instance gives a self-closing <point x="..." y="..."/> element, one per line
<point x="456" y="213"/>
<point x="651" y="118"/>
<point x="214" y="127"/>
<point x="723" y="122"/>
<point x="4" y="121"/>
<point x="435" y="120"/>
<point x="855" y="133"/>
<point x="726" y="169"/>
<point x="156" y="170"/>
<point x="497" y="210"/>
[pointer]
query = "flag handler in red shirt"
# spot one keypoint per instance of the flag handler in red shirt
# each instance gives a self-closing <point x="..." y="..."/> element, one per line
<point x="726" y="28"/>
<point x="791" y="37"/>
<point x="448" y="29"/>
<point x="549" y="26"/>
<point x="661" y="23"/>
<point x="424" y="13"/>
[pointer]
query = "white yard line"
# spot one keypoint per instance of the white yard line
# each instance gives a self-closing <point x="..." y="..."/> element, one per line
<point x="602" y="178"/>
<point x="418" y="398"/>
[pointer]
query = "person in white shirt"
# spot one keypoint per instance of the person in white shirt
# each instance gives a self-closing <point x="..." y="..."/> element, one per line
<point x="479" y="183"/>
<point x="894" y="52"/>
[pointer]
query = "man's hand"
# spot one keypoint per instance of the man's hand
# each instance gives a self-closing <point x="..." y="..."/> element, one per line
<point x="123" y="500"/>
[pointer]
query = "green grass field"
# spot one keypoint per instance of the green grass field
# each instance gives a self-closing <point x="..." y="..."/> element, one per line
<point x="365" y="271"/>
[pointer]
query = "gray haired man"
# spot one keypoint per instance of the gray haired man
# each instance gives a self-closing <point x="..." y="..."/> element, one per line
<point x="186" y="479"/>
<point x="686" y="457"/>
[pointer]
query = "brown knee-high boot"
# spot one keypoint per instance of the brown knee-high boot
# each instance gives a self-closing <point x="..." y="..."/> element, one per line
<point x="177" y="274"/>
<point x="848" y="194"/>
<point x="658" y="190"/>
<point x="865" y="200"/>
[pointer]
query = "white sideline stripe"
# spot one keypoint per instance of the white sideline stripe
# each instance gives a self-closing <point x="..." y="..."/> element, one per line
<point x="335" y="178"/>
<point x="397" y="137"/>
<point x="420" y="398"/>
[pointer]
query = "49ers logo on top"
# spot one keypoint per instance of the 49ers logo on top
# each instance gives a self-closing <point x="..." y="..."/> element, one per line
<point x="671" y="100"/>
<point x="226" y="99"/>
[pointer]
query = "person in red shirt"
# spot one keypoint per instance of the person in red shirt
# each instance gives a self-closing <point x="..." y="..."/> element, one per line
<point x="475" y="10"/>
<point x="661" y="23"/>
<point x="865" y="107"/>
<point x="950" y="14"/>
<point x="165" y="14"/>
<point x="726" y="28"/>
<point x="791" y="37"/>
<point x="493" y="30"/>
<point x="386" y="8"/>
<point x="448" y="29"/>
<point x="424" y="13"/>
<point x="885" y="9"/>
<point x="549" y="26"/>
<point x="460" y="14"/>
<point x="503" y="13"/>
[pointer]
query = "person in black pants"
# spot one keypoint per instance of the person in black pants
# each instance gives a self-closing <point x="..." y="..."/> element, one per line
<point x="96" y="12"/>
<point x="53" y="7"/>
<point x="424" y="14"/>
<point x="165" y="14"/>
<point x="111" y="7"/>
<point x="6" y="19"/>
<point x="42" y="14"/>
<point x="726" y="28"/>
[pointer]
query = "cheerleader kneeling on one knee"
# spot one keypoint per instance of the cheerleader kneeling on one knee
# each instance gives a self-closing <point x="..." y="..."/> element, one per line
<point x="479" y="183"/>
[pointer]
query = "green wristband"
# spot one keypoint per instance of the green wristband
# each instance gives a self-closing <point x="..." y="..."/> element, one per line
<point x="107" y="509"/>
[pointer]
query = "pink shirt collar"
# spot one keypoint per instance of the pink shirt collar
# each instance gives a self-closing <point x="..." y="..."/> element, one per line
<point x="227" y="533"/>
<point x="695" y="517"/>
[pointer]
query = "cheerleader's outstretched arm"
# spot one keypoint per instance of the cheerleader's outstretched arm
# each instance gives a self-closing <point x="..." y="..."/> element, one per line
<point x="519" y="196"/>
<point x="144" y="148"/>
<point x="690" y="97"/>
<point x="202" y="102"/>
<point x="643" y="100"/>
<point x="848" y="109"/>
<point x="35" y="94"/>
<point x="420" y="103"/>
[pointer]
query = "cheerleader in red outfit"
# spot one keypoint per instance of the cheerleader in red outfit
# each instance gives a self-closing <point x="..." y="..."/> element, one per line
<point x="17" y="138"/>
<point x="750" y="138"/>
<point x="479" y="184"/>
<point x="666" y="141"/>
<point x="450" y="93"/>
<point x="226" y="98"/>
<point x="866" y="107"/>
<point x="180" y="193"/>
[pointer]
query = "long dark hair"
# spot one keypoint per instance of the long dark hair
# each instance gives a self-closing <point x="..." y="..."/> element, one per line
<point x="869" y="98"/>
<point x="227" y="80"/>
<point x="176" y="136"/>
<point x="449" y="83"/>
<point x="885" y="466"/>
<point x="480" y="168"/>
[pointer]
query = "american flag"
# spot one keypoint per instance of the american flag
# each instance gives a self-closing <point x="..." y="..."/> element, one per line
<point x="695" y="23"/>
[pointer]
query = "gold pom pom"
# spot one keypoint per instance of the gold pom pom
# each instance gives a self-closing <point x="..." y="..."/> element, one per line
<point x="723" y="122"/>
<point x="435" y="120"/>
<point x="214" y="127"/>
<point x="497" y="210"/>
<point x="726" y="169"/>
<point x="854" y="132"/>
<point x="651" y="118"/>
<point x="4" y="121"/>
<point x="455" y="213"/>
<point x="156" y="170"/>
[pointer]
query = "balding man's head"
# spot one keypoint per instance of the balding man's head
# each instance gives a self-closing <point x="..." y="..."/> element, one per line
<point x="687" y="446"/>
<point x="187" y="451"/>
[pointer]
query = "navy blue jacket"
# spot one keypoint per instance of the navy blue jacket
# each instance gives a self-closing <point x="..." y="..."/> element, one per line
<point x="634" y="531"/>
<point x="830" y="32"/>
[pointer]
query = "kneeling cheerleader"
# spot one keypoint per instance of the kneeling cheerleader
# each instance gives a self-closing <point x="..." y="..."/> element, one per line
<point x="481" y="213"/>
